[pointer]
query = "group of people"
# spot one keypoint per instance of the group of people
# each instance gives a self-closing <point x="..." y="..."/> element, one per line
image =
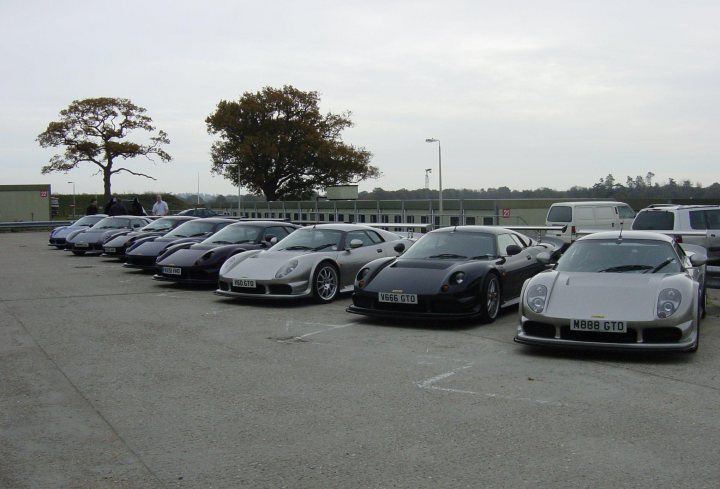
<point x="115" y="207"/>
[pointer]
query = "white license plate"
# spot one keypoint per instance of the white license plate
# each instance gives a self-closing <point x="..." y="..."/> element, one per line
<point x="397" y="298"/>
<point x="110" y="250"/>
<point x="244" y="283"/>
<point x="82" y="245"/>
<point x="172" y="270"/>
<point x="598" y="325"/>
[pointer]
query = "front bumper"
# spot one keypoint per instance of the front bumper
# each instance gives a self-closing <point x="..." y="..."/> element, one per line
<point x="436" y="306"/>
<point x="640" y="336"/>
<point x="189" y="276"/>
<point x="266" y="289"/>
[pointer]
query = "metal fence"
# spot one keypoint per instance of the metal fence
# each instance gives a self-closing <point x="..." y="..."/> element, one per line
<point x="33" y="224"/>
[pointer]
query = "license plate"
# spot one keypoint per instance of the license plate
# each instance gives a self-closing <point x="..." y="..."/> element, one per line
<point x="110" y="250"/>
<point x="244" y="283"/>
<point x="82" y="245"/>
<point x="598" y="325"/>
<point x="396" y="298"/>
<point x="172" y="270"/>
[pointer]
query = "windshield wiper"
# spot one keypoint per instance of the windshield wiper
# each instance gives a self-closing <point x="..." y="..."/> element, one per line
<point x="662" y="265"/>
<point x="238" y="242"/>
<point x="627" y="268"/>
<point x="177" y="236"/>
<point x="488" y="256"/>
<point x="222" y="242"/>
<point x="447" y="255"/>
<point x="296" y="247"/>
<point x="318" y="248"/>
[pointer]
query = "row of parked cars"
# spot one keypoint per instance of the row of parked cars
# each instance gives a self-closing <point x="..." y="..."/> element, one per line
<point x="616" y="289"/>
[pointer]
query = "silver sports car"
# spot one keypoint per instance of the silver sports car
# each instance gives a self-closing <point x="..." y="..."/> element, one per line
<point x="632" y="290"/>
<point x="318" y="261"/>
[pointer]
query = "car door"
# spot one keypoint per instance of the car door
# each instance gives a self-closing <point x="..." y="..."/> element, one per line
<point x="351" y="260"/>
<point x="516" y="267"/>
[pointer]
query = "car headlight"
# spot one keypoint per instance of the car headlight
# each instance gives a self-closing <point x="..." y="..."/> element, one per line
<point x="457" y="278"/>
<point x="286" y="269"/>
<point x="668" y="302"/>
<point x="229" y="264"/>
<point x="536" y="297"/>
<point x="360" y="279"/>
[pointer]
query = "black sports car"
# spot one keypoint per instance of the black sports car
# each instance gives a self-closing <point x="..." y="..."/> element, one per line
<point x="199" y="263"/>
<point x="143" y="253"/>
<point x="455" y="272"/>
<point x="116" y="244"/>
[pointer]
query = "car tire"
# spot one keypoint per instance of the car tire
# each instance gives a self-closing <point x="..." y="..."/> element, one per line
<point x="490" y="298"/>
<point x="78" y="253"/>
<point x="325" y="283"/>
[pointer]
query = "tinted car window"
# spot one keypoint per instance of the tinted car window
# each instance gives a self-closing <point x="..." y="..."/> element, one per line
<point x="277" y="231"/>
<point x="661" y="220"/>
<point x="626" y="212"/>
<point x="361" y="235"/>
<point x="560" y="213"/>
<point x="441" y="245"/>
<point x="697" y="220"/>
<point x="713" y="219"/>
<point x="505" y="240"/>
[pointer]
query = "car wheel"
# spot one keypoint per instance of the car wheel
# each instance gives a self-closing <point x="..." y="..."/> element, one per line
<point x="325" y="283"/>
<point x="79" y="253"/>
<point x="490" y="298"/>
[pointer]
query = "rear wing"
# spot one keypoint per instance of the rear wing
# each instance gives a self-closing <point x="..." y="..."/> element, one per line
<point x="407" y="227"/>
<point x="669" y="232"/>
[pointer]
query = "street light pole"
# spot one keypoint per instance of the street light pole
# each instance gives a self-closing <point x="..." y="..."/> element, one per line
<point x="434" y="140"/>
<point x="73" y="184"/>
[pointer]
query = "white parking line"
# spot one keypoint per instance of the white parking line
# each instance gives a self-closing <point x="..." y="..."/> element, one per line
<point x="304" y="324"/>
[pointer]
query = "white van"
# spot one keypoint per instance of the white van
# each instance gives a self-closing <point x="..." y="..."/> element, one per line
<point x="588" y="215"/>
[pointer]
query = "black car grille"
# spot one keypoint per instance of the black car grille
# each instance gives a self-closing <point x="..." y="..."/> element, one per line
<point x="142" y="261"/>
<point x="258" y="289"/>
<point x="661" y="335"/>
<point x="595" y="337"/>
<point x="541" y="330"/>
<point x="447" y="305"/>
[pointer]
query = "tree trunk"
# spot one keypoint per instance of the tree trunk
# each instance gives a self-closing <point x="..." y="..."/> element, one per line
<point x="106" y="183"/>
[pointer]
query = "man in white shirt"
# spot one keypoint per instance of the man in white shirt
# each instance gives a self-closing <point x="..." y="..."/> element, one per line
<point x="160" y="207"/>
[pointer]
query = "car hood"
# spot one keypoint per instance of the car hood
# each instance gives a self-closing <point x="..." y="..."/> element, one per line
<point x="90" y="236"/>
<point x="186" y="256"/>
<point x="411" y="276"/>
<point x="263" y="265"/>
<point x="613" y="296"/>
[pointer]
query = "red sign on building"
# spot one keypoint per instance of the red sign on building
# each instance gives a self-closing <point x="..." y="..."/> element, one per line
<point x="43" y="193"/>
<point x="506" y="212"/>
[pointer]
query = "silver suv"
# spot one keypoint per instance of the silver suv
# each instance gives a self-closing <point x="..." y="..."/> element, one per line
<point x="686" y="218"/>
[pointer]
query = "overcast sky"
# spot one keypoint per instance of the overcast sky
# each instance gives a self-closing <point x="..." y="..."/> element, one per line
<point x="523" y="94"/>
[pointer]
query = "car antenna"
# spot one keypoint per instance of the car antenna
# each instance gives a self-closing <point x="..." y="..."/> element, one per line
<point x="621" y="230"/>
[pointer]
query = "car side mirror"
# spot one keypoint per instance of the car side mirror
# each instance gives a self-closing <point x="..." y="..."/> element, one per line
<point x="513" y="250"/>
<point x="698" y="259"/>
<point x="137" y="225"/>
<point x="271" y="238"/>
<point x="400" y="247"/>
<point x="543" y="257"/>
<point x="355" y="243"/>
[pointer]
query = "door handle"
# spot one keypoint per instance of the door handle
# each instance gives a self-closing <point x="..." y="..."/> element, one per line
<point x="379" y="250"/>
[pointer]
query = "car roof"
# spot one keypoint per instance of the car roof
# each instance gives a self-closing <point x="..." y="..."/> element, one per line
<point x="648" y="235"/>
<point x="214" y="219"/>
<point x="589" y="202"/>
<point x="264" y="224"/>
<point x="346" y="227"/>
<point x="674" y="207"/>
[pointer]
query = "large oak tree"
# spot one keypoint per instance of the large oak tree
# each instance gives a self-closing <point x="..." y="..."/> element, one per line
<point x="276" y="142"/>
<point x="94" y="130"/>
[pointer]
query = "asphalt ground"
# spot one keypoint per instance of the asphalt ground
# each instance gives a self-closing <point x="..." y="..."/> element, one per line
<point x="112" y="380"/>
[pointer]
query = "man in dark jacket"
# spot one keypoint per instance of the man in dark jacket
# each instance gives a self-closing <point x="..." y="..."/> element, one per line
<point x="116" y="208"/>
<point x="92" y="209"/>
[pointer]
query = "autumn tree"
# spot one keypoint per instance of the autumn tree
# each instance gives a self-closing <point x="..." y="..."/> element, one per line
<point x="93" y="130"/>
<point x="277" y="142"/>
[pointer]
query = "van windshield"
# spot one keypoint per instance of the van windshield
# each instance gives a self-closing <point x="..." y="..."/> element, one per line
<point x="560" y="213"/>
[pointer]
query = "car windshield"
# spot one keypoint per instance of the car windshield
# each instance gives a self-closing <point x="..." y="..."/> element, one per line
<point x="87" y="221"/>
<point x="457" y="244"/>
<point x="620" y="256"/>
<point x="311" y="239"/>
<point x="235" y="234"/>
<point x="192" y="229"/>
<point x="164" y="224"/>
<point x="112" y="223"/>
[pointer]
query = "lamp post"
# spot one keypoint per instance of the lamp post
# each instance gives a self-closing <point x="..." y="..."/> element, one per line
<point x="73" y="184"/>
<point x="434" y="140"/>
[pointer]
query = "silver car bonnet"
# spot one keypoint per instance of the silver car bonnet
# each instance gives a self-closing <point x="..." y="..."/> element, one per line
<point x="264" y="265"/>
<point x="613" y="296"/>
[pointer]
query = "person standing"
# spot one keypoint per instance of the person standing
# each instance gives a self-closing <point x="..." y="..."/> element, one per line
<point x="92" y="209"/>
<point x="117" y="208"/>
<point x="136" y="208"/>
<point x="160" y="208"/>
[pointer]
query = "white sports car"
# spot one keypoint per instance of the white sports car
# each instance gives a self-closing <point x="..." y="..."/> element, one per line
<point x="632" y="290"/>
<point x="318" y="261"/>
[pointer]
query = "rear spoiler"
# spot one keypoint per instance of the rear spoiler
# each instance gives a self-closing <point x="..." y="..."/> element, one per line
<point x="674" y="234"/>
<point x="562" y="229"/>
<point x="408" y="227"/>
